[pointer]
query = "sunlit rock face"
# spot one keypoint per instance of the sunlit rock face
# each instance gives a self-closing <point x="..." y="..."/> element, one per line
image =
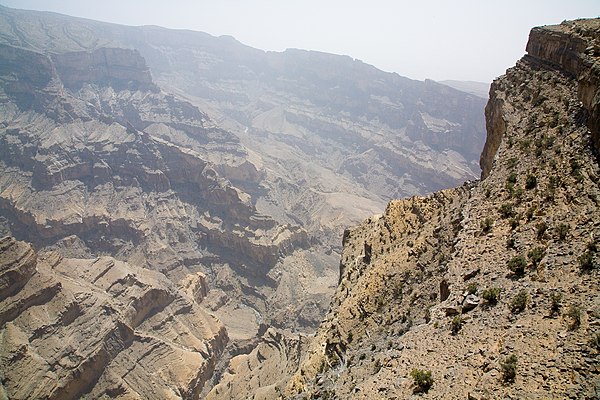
<point x="99" y="327"/>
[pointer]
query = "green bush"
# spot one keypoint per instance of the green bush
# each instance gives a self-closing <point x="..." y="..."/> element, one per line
<point x="562" y="231"/>
<point x="518" y="194"/>
<point x="491" y="295"/>
<point x="422" y="380"/>
<point x="506" y="210"/>
<point x="510" y="243"/>
<point x="517" y="265"/>
<point x="553" y="181"/>
<point x="472" y="288"/>
<point x="575" y="314"/>
<point x="524" y="145"/>
<point x="586" y="261"/>
<point x="530" y="182"/>
<point x="555" y="302"/>
<point x="529" y="213"/>
<point x="536" y="255"/>
<point x="540" y="230"/>
<point x="486" y="225"/>
<point x="456" y="325"/>
<point x="519" y="302"/>
<point x="576" y="170"/>
<point x="509" y="368"/>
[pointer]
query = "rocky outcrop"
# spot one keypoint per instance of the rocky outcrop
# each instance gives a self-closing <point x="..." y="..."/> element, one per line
<point x="102" y="169"/>
<point x="490" y="287"/>
<point x="571" y="48"/>
<point x="263" y="371"/>
<point x="100" y="327"/>
<point x="18" y="265"/>
<point x="119" y="68"/>
<point x="91" y="161"/>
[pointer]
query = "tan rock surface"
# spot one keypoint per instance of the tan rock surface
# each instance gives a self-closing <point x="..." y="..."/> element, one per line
<point x="101" y="327"/>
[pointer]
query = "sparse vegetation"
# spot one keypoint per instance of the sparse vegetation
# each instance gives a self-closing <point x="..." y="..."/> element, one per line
<point x="530" y="182"/>
<point x="472" y="288"/>
<point x="509" y="368"/>
<point x="524" y="145"/>
<point x="512" y="178"/>
<point x="510" y="243"/>
<point x="506" y="210"/>
<point x="518" y="194"/>
<point x="529" y="213"/>
<point x="422" y="379"/>
<point x="540" y="230"/>
<point x="456" y="325"/>
<point x="519" y="302"/>
<point x="512" y="163"/>
<point x="536" y="255"/>
<point x="514" y="223"/>
<point x="562" y="231"/>
<point x="553" y="180"/>
<point x="486" y="225"/>
<point x="586" y="261"/>
<point x="517" y="265"/>
<point x="576" y="170"/>
<point x="491" y="295"/>
<point x="555" y="302"/>
<point x="574" y="314"/>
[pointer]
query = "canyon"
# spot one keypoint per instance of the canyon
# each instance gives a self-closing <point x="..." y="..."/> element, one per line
<point x="193" y="186"/>
<point x="174" y="208"/>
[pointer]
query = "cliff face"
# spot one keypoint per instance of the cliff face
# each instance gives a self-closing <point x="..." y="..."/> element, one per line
<point x="119" y="68"/>
<point x="570" y="48"/>
<point x="458" y="282"/>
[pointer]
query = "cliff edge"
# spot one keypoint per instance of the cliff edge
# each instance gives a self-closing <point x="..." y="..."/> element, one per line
<point x="489" y="290"/>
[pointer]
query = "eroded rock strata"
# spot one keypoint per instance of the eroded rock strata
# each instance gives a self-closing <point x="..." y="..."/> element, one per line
<point x="333" y="139"/>
<point x="99" y="328"/>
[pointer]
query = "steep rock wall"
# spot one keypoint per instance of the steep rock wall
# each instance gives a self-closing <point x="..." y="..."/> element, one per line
<point x="570" y="48"/>
<point x="121" y="68"/>
<point x="518" y="276"/>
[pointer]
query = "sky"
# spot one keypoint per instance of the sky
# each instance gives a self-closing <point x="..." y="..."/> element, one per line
<point x="474" y="40"/>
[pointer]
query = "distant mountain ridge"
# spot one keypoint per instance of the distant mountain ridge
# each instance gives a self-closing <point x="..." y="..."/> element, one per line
<point x="388" y="136"/>
<point x="480" y="89"/>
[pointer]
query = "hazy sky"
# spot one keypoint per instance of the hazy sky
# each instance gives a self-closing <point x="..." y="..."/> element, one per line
<point x="437" y="39"/>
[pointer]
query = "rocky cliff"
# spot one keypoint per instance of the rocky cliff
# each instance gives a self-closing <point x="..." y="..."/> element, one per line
<point x="489" y="290"/>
